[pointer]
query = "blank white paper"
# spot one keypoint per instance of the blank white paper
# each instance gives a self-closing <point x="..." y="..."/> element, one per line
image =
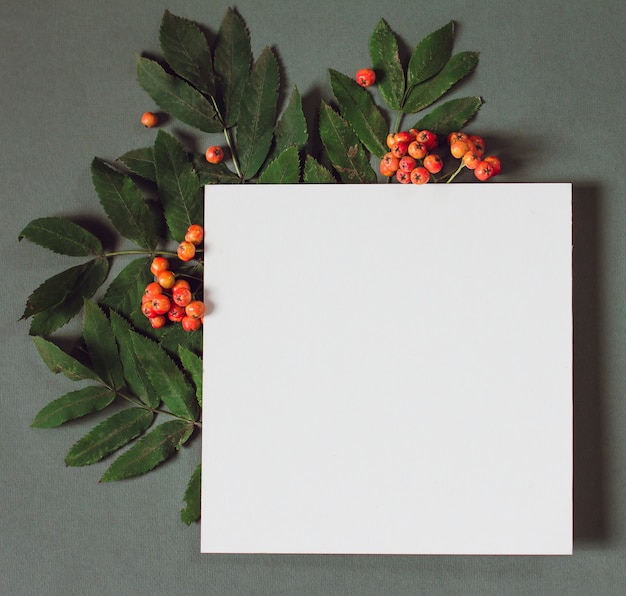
<point x="388" y="369"/>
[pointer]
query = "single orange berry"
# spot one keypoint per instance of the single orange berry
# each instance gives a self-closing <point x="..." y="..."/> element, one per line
<point x="159" y="264"/>
<point x="158" y="321"/>
<point x="186" y="251"/>
<point x="495" y="164"/>
<point x="181" y="296"/>
<point x="191" y="324"/>
<point x="195" y="309"/>
<point x="180" y="283"/>
<point x="365" y="77"/>
<point x="149" y="119"/>
<point x="195" y="234"/>
<point x="417" y="150"/>
<point x="176" y="313"/>
<point x="166" y="279"/>
<point x="420" y="175"/>
<point x="433" y="163"/>
<point x="153" y="289"/>
<point x="214" y="154"/>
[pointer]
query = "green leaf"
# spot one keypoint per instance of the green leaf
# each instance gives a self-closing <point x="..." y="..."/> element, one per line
<point x="135" y="374"/>
<point x="125" y="291"/>
<point x="291" y="129"/>
<point x="115" y="432"/>
<point x="316" y="173"/>
<point x="186" y="50"/>
<point x="386" y="63"/>
<point x="425" y="94"/>
<point x="171" y="384"/>
<point x="193" y="365"/>
<point x="258" y="114"/>
<point x="101" y="345"/>
<point x="62" y="236"/>
<point x="430" y="55"/>
<point x="124" y="205"/>
<point x="358" y="108"/>
<point x="209" y="173"/>
<point x="175" y="336"/>
<point x="177" y="97"/>
<point x="59" y="361"/>
<point x="285" y="169"/>
<point x="74" y="405"/>
<point x="232" y="60"/>
<point x="179" y="187"/>
<point x="191" y="512"/>
<point x="150" y="451"/>
<point x="140" y="162"/>
<point x="451" y="116"/>
<point x="344" y="148"/>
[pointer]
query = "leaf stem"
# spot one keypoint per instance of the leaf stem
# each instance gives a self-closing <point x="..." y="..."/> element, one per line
<point x="229" y="142"/>
<point x="140" y="252"/>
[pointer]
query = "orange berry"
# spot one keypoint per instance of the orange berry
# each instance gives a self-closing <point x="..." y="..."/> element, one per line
<point x="159" y="264"/>
<point x="214" y="154"/>
<point x="420" y="175"/>
<point x="365" y="77"/>
<point x="186" y="251"/>
<point x="433" y="163"/>
<point x="149" y="119"/>
<point x="158" y="321"/>
<point x="191" y="324"/>
<point x="417" y="150"/>
<point x="166" y="279"/>
<point x="153" y="289"/>
<point x="195" y="234"/>
<point x="195" y="309"/>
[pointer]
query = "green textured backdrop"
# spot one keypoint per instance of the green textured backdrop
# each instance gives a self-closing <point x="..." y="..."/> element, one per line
<point x="552" y="75"/>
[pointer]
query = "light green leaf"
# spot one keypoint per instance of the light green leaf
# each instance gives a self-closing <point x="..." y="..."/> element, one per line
<point x="232" y="60"/>
<point x="108" y="436"/>
<point x="386" y="63"/>
<point x="192" y="365"/>
<point x="125" y="291"/>
<point x="124" y="205"/>
<point x="59" y="361"/>
<point x="358" y="108"/>
<point x="450" y="116"/>
<point x="177" y="97"/>
<point x="186" y="50"/>
<point x="191" y="512"/>
<point x="344" y="148"/>
<point x="179" y="187"/>
<point x="74" y="405"/>
<point x="285" y="169"/>
<point x="425" y="94"/>
<point x="258" y="114"/>
<point x="101" y="345"/>
<point x="150" y="451"/>
<point x="62" y="236"/>
<point x="140" y="162"/>
<point x="316" y="173"/>
<point x="430" y="55"/>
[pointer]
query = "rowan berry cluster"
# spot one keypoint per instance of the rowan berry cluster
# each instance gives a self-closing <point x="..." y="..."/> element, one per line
<point x="170" y="298"/>
<point x="412" y="157"/>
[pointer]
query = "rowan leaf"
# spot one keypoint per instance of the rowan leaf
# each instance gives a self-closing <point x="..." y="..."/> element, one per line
<point x="425" y="94"/>
<point x="213" y="173"/>
<point x="177" y="97"/>
<point x="232" y="60"/>
<point x="124" y="205"/>
<point x="385" y="56"/>
<point x="150" y="451"/>
<point x="59" y="361"/>
<point x="291" y="128"/>
<point x="53" y="291"/>
<point x="62" y="236"/>
<point x="344" y="148"/>
<point x="179" y="187"/>
<point x="450" y="116"/>
<point x="186" y="50"/>
<point x="140" y="162"/>
<point x="175" y="336"/>
<point x="430" y="55"/>
<point x="285" y="169"/>
<point x="125" y="291"/>
<point x="358" y="108"/>
<point x="257" y="115"/>
<point x="191" y="512"/>
<point x="101" y="345"/>
<point x="192" y="364"/>
<point x="74" y="405"/>
<point x="316" y="173"/>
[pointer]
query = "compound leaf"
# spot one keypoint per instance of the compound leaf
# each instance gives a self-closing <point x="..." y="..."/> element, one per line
<point x="62" y="236"/>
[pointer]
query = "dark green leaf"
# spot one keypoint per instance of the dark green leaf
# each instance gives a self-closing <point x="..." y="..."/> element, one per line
<point x="186" y="50"/>
<point x="177" y="97"/>
<point x="172" y="385"/>
<point x="59" y="361"/>
<point x="233" y="57"/>
<point x="125" y="291"/>
<point x="124" y="205"/>
<point x="193" y="365"/>
<point x="175" y="336"/>
<point x="140" y="162"/>
<point x="425" y="94"/>
<point x="451" y="116"/>
<point x="150" y="451"/>
<point x="285" y="169"/>
<point x="291" y="129"/>
<point x="386" y="63"/>
<point x="108" y="436"/>
<point x="100" y="342"/>
<point x="135" y="373"/>
<point x="74" y="405"/>
<point x="430" y="55"/>
<point x="258" y="114"/>
<point x="344" y="148"/>
<point x="191" y="512"/>
<point x="358" y="108"/>
<point x="62" y="236"/>
<point x="179" y="188"/>
<point x="209" y="173"/>
<point x="316" y="173"/>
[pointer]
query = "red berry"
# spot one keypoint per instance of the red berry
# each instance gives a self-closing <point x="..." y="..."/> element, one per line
<point x="158" y="321"/>
<point x="479" y="144"/>
<point x="147" y="310"/>
<point x="153" y="289"/>
<point x="483" y="171"/>
<point x="433" y="163"/>
<point x="195" y="309"/>
<point x="403" y="136"/>
<point x="149" y="119"/>
<point x="160" y="304"/>
<point x="186" y="251"/>
<point x="428" y="138"/>
<point x="420" y="175"/>
<point x="403" y="176"/>
<point x="471" y="159"/>
<point x="459" y="148"/>
<point x="176" y="313"/>
<point x="400" y="148"/>
<point x="365" y="77"/>
<point x="417" y="150"/>
<point x="159" y="264"/>
<point x="214" y="154"/>
<point x="390" y="163"/>
<point x="195" y="234"/>
<point x="495" y="163"/>
<point x="407" y="163"/>
<point x="456" y="136"/>
<point x="191" y="324"/>
<point x="180" y="283"/>
<point x="181" y="296"/>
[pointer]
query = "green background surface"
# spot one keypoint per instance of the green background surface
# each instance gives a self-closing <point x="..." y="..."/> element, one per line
<point x="552" y="75"/>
